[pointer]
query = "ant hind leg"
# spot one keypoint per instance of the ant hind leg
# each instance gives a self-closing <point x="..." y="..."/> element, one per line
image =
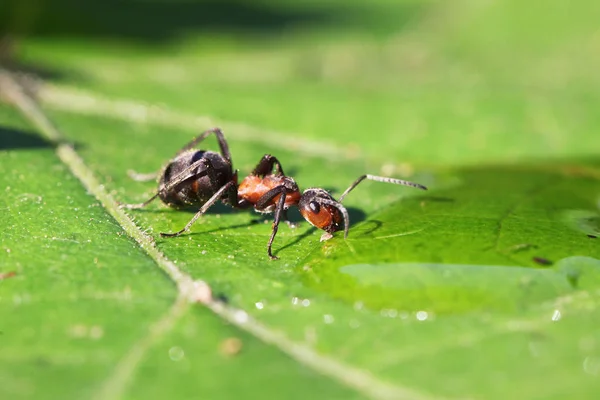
<point x="230" y="188"/>
<point x="220" y="138"/>
<point x="227" y="187"/>
<point x="188" y="173"/>
<point x="145" y="177"/>
<point x="142" y="177"/>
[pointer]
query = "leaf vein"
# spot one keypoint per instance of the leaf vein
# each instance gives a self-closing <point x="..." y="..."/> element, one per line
<point x="360" y="380"/>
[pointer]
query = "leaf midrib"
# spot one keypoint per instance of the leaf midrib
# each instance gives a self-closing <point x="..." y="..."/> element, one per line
<point x="346" y="375"/>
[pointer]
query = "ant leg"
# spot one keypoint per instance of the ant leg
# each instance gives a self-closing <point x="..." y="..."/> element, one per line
<point x="141" y="177"/>
<point x="229" y="186"/>
<point x="264" y="202"/>
<point x="266" y="198"/>
<point x="278" y="211"/>
<point x="220" y="138"/>
<point x="242" y="203"/>
<point x="266" y="164"/>
<point x="187" y="173"/>
<point x="232" y="195"/>
<point x="380" y="179"/>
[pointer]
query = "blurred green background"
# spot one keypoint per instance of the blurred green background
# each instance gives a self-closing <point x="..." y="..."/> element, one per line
<point x="435" y="81"/>
<point x="493" y="104"/>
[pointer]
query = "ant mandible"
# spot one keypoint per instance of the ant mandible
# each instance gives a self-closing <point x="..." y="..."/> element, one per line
<point x="200" y="177"/>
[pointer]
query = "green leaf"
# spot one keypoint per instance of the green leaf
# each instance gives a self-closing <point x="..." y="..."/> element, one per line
<point x="86" y="307"/>
<point x="485" y="286"/>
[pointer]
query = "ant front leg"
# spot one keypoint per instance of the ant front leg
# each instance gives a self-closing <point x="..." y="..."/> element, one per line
<point x="278" y="212"/>
<point x="263" y="203"/>
<point x="266" y="164"/>
<point x="220" y="138"/>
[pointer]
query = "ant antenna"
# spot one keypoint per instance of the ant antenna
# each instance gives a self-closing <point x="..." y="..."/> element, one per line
<point x="380" y="179"/>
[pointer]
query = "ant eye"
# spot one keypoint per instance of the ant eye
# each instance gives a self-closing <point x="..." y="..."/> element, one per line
<point x="314" y="207"/>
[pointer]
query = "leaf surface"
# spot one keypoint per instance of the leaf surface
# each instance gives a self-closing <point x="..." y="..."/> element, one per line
<point x="485" y="286"/>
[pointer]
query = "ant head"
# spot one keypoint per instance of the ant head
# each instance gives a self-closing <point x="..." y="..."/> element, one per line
<point x="321" y="210"/>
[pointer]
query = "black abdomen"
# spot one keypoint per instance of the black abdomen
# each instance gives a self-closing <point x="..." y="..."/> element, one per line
<point x="197" y="187"/>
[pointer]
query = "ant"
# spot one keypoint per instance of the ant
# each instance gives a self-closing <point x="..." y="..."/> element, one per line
<point x="322" y="211"/>
<point x="201" y="177"/>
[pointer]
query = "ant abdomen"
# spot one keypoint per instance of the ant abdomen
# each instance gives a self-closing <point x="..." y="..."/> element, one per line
<point x="200" y="186"/>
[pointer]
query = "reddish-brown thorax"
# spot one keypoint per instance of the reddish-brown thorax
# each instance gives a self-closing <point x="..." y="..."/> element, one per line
<point x="254" y="187"/>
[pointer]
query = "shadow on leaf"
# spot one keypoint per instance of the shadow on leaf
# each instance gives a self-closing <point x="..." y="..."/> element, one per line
<point x="13" y="139"/>
<point x="160" y="20"/>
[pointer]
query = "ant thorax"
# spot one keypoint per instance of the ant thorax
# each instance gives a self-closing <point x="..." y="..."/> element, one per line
<point x="253" y="187"/>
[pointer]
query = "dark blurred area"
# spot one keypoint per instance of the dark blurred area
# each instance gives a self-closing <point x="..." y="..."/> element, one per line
<point x="144" y="20"/>
<point x="14" y="139"/>
<point x="448" y="81"/>
<point x="163" y="22"/>
<point x="160" y="20"/>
